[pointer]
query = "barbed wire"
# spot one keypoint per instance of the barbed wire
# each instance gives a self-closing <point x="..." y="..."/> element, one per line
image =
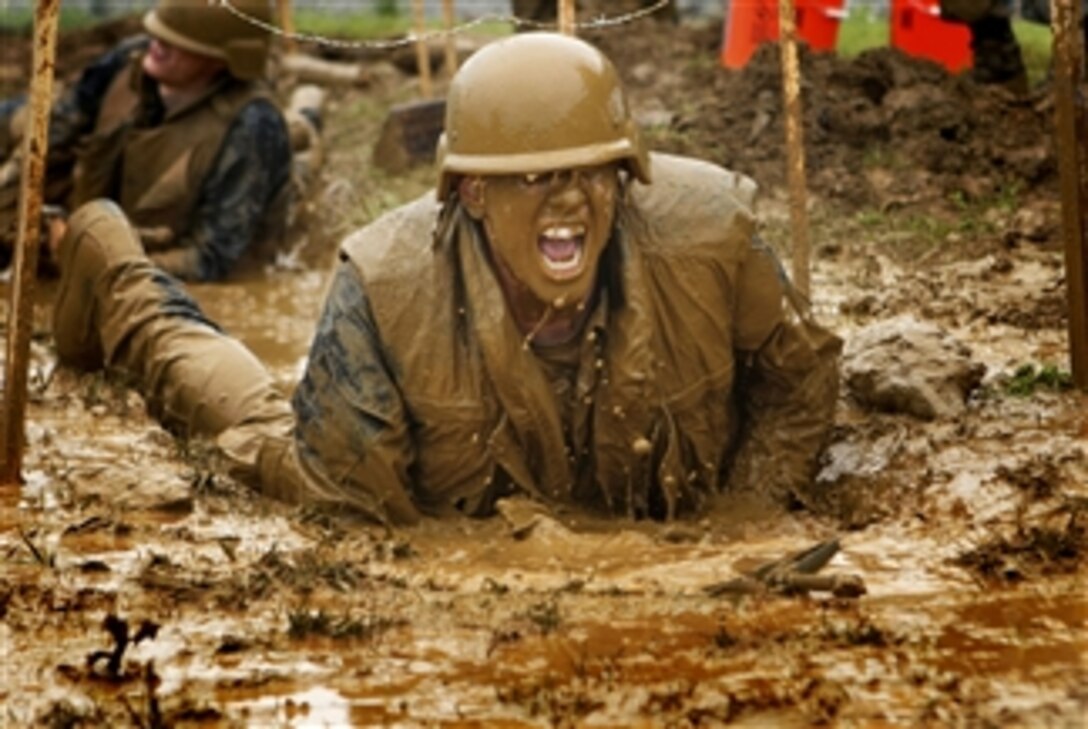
<point x="410" y="37"/>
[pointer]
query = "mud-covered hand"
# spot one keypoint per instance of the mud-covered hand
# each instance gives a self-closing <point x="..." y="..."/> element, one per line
<point x="352" y="435"/>
<point x="788" y="383"/>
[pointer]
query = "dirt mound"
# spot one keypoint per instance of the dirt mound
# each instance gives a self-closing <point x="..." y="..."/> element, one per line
<point x="75" y="49"/>
<point x="880" y="129"/>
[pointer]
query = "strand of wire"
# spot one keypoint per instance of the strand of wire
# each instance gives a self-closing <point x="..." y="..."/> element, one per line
<point x="411" y="37"/>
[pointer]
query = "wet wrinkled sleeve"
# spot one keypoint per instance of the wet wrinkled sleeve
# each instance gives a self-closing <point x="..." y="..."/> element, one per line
<point x="788" y="386"/>
<point x="252" y="166"/>
<point x="74" y="113"/>
<point x="352" y="438"/>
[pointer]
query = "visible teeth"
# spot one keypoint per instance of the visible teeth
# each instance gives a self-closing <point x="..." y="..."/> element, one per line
<point x="561" y="249"/>
<point x="564" y="231"/>
<point x="570" y="264"/>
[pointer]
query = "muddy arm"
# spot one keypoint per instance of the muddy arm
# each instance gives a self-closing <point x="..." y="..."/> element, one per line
<point x="352" y="430"/>
<point x="788" y="385"/>
<point x="251" y="168"/>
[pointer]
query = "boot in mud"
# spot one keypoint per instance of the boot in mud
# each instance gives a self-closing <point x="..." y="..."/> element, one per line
<point x="998" y="60"/>
<point x="98" y="245"/>
<point x="116" y="309"/>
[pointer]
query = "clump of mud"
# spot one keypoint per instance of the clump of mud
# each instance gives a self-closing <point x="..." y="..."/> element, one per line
<point x="1032" y="550"/>
<point x="882" y="129"/>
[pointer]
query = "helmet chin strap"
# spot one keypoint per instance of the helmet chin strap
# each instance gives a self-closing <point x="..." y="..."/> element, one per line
<point x="545" y="318"/>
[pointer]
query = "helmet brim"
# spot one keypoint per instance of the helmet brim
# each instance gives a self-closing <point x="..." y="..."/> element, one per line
<point x="154" y="25"/>
<point x="543" y="161"/>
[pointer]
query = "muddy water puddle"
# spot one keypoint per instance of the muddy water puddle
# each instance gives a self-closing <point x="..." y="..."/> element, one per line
<point x="968" y="534"/>
<point x="461" y="624"/>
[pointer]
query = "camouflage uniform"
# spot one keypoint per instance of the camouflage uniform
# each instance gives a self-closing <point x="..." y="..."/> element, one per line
<point x="238" y="207"/>
<point x="698" y="370"/>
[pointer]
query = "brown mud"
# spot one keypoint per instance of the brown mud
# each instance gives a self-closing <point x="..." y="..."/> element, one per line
<point x="140" y="587"/>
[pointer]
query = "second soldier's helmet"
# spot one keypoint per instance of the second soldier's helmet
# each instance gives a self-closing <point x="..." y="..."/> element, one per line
<point x="223" y="29"/>
<point x="499" y="121"/>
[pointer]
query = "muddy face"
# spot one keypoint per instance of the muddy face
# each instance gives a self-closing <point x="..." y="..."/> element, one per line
<point x="548" y="230"/>
<point x="178" y="68"/>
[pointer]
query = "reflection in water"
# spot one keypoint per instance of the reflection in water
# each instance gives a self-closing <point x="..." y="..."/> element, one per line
<point x="315" y="708"/>
<point x="461" y="623"/>
<point x="274" y="316"/>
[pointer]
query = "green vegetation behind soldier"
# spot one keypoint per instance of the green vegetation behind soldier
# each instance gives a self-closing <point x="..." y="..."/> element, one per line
<point x="572" y="319"/>
<point x="179" y="129"/>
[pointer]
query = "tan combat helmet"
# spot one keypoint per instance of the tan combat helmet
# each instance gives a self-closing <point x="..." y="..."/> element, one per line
<point x="210" y="28"/>
<point x="499" y="121"/>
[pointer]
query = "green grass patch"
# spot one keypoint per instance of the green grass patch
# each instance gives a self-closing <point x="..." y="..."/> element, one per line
<point x="375" y="25"/>
<point x="1029" y="378"/>
<point x="864" y="30"/>
<point x="21" y="20"/>
<point x="1035" y="46"/>
<point x="860" y="31"/>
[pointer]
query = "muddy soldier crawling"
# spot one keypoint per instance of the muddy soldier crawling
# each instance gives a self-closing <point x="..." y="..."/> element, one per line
<point x="572" y="319"/>
<point x="178" y="129"/>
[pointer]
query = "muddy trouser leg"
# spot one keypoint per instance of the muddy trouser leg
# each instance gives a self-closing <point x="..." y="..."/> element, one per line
<point x="997" y="53"/>
<point x="115" y="309"/>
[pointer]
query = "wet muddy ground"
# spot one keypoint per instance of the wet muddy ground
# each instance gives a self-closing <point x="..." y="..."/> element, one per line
<point x="140" y="587"/>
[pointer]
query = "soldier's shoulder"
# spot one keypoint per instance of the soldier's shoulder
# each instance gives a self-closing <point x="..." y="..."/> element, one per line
<point x="687" y="178"/>
<point x="692" y="202"/>
<point x="396" y="245"/>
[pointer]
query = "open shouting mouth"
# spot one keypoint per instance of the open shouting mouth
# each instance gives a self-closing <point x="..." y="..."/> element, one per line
<point x="562" y="249"/>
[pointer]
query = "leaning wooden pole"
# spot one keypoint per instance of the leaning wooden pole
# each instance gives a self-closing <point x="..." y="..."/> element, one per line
<point x="423" y="53"/>
<point x="449" y="17"/>
<point x="1071" y="120"/>
<point x="566" y="17"/>
<point x="795" y="145"/>
<point x="287" y="25"/>
<point x="25" y="265"/>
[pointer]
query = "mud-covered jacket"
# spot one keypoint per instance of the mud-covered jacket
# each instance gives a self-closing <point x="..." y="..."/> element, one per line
<point x="155" y="165"/>
<point x="206" y="185"/>
<point x="696" y="369"/>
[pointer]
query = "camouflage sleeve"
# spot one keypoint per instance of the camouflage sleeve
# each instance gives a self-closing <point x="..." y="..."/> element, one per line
<point x="352" y="434"/>
<point x="86" y="97"/>
<point x="252" y="166"/>
<point x="788" y="382"/>
<point x="74" y="112"/>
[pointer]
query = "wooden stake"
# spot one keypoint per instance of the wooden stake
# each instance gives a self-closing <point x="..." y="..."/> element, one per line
<point x="25" y="266"/>
<point x="423" y="54"/>
<point x="566" y="17"/>
<point x="795" y="149"/>
<point x="287" y="24"/>
<point x="449" y="14"/>
<point x="1071" y="122"/>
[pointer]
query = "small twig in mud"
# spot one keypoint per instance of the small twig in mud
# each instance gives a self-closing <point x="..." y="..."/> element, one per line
<point x="545" y="615"/>
<point x="1038" y="478"/>
<point x="304" y="623"/>
<point x="858" y="632"/>
<point x="153" y="718"/>
<point x="118" y="630"/>
<point x="502" y="637"/>
<point x="44" y="559"/>
<point x="723" y="639"/>
<point x="793" y="575"/>
<point x="1048" y="549"/>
